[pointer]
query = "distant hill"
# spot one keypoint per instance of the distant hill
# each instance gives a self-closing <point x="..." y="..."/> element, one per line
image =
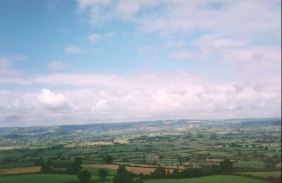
<point x="16" y="132"/>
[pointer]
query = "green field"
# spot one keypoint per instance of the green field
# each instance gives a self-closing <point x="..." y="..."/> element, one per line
<point x="210" y="179"/>
<point x="38" y="178"/>
<point x="252" y="144"/>
<point x="253" y="164"/>
<point x="43" y="178"/>
<point x="262" y="174"/>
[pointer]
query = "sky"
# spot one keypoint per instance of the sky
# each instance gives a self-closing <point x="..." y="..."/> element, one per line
<point x="92" y="61"/>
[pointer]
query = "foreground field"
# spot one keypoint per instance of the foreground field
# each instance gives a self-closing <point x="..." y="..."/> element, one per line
<point x="38" y="178"/>
<point x="210" y="179"/>
<point x="45" y="178"/>
<point x="262" y="174"/>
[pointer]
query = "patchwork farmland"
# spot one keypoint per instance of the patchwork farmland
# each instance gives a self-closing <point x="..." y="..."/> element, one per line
<point x="253" y="146"/>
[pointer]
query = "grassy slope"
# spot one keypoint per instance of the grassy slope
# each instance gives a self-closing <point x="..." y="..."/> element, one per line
<point x="41" y="178"/>
<point x="210" y="179"/>
<point x="44" y="178"/>
<point x="38" y="178"/>
<point x="263" y="174"/>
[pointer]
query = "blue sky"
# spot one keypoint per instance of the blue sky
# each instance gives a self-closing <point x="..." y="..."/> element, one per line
<point x="87" y="61"/>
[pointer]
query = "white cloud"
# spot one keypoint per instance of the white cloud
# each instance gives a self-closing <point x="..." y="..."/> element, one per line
<point x="238" y="18"/>
<point x="73" y="49"/>
<point x="128" y="7"/>
<point x="182" y="54"/>
<point x="210" y="43"/>
<point x="58" y="65"/>
<point x="8" y="61"/>
<point x="175" y="44"/>
<point x="144" y="49"/>
<point x="97" y="79"/>
<point x="110" y="34"/>
<point x="178" y="90"/>
<point x="8" y="73"/>
<point x="168" y="95"/>
<point x="84" y="4"/>
<point x="188" y="16"/>
<point x="94" y="38"/>
<point x="253" y="59"/>
<point x="52" y="101"/>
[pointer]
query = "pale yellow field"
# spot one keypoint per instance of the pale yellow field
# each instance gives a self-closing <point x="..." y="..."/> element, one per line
<point x="70" y="145"/>
<point x="111" y="166"/>
<point x="10" y="147"/>
<point x="121" y="141"/>
<point x="144" y="170"/>
<point x="8" y="171"/>
<point x="98" y="143"/>
<point x="216" y="160"/>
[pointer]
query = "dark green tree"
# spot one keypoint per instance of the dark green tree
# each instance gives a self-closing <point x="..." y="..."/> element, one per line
<point x="108" y="159"/>
<point x="168" y="174"/>
<point x="119" y="179"/>
<point x="103" y="173"/>
<point x="191" y="172"/>
<point x="154" y="163"/>
<point x="138" y="181"/>
<point x="175" y="173"/>
<point x="159" y="173"/>
<point x="121" y="170"/>
<point x="45" y="169"/>
<point x="39" y="162"/>
<point x="269" y="166"/>
<point x="123" y="176"/>
<point x="128" y="179"/>
<point x="77" y="162"/>
<point x="84" y="176"/>
<point x="226" y="165"/>
<point x="76" y="166"/>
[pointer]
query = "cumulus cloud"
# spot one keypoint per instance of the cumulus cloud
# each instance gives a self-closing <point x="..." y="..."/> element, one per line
<point x="58" y="65"/>
<point x="8" y="73"/>
<point x="170" y="95"/>
<point x="103" y="11"/>
<point x="52" y="101"/>
<point x="8" y="61"/>
<point x="175" y="44"/>
<point x="110" y="34"/>
<point x="144" y="49"/>
<point x="73" y="49"/>
<point x="94" y="38"/>
<point x="105" y="97"/>
<point x="188" y="16"/>
<point x="253" y="59"/>
<point x="182" y="54"/>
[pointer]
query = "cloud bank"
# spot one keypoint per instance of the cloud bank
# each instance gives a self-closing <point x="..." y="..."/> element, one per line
<point x="98" y="97"/>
